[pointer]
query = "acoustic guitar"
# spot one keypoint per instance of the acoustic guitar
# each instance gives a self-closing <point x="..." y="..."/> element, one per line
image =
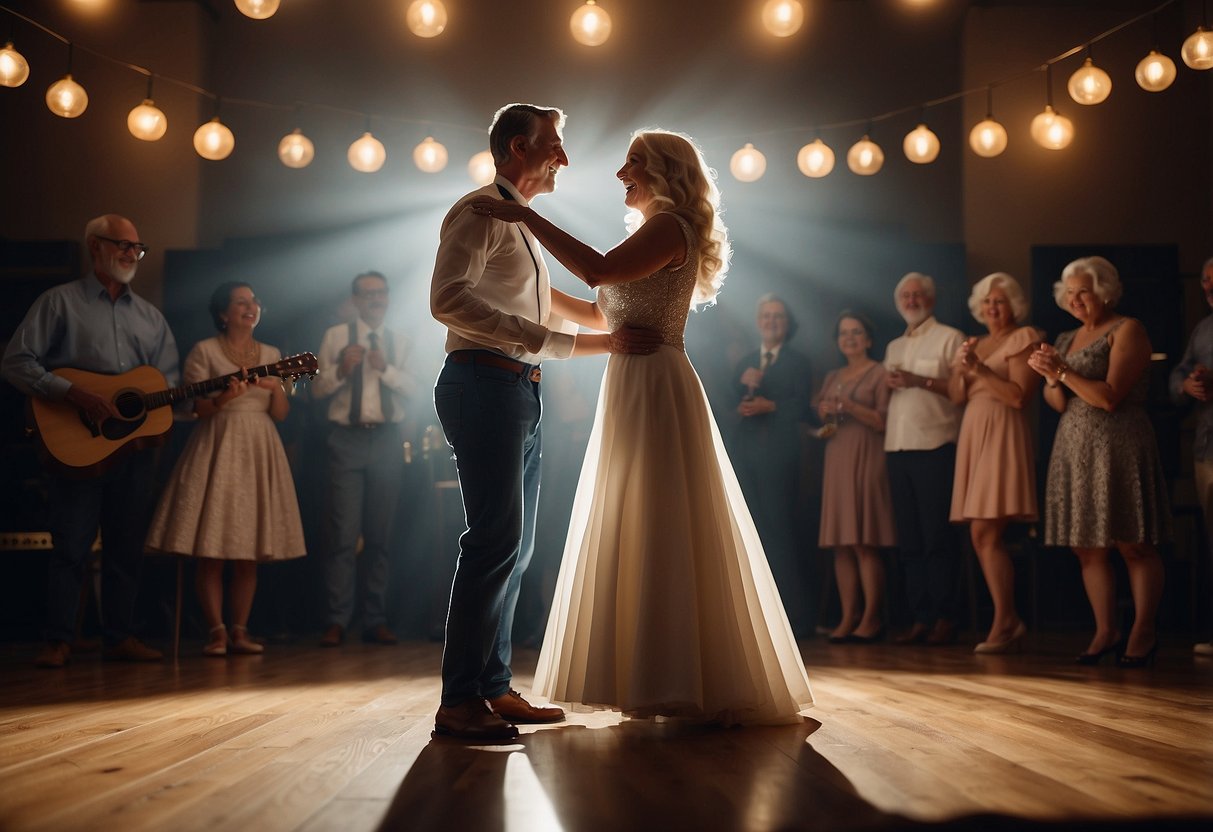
<point x="77" y="446"/>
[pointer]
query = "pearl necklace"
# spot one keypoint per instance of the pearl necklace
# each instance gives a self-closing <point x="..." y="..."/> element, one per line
<point x="241" y="358"/>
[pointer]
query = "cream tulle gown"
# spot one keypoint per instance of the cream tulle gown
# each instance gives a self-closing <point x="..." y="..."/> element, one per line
<point x="665" y="604"/>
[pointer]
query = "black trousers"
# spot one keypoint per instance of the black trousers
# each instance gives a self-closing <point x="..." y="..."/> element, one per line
<point x="920" y="483"/>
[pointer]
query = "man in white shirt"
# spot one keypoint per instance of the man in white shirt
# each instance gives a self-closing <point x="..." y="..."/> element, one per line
<point x="492" y="291"/>
<point x="920" y="448"/>
<point x="365" y="377"/>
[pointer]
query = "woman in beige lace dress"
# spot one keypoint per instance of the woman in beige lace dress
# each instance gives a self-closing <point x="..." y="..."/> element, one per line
<point x="231" y="496"/>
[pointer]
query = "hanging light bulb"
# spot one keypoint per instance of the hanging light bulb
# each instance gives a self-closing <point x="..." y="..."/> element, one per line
<point x="988" y="138"/>
<point x="1155" y="72"/>
<point x="257" y="9"/>
<point x="748" y="164"/>
<point x="213" y="140"/>
<point x="1197" y="50"/>
<point x="815" y="159"/>
<point x="782" y="18"/>
<point x="296" y="150"/>
<point x="367" y="154"/>
<point x="590" y="25"/>
<point x="865" y="157"/>
<point x="1051" y="130"/>
<point x="482" y="169"/>
<point x="426" y="18"/>
<point x="147" y="121"/>
<point x="920" y="145"/>
<point x="1089" y="84"/>
<point x="14" y="69"/>
<point x="66" y="98"/>
<point x="429" y="156"/>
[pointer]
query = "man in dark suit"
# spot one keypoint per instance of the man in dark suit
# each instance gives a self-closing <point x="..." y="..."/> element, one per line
<point x="774" y="384"/>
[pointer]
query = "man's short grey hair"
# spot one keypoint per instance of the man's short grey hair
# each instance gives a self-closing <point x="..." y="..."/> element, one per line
<point x="515" y="120"/>
<point x="97" y="227"/>
<point x="927" y="282"/>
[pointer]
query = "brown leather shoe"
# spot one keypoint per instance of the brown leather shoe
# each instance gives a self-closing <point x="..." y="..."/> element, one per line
<point x="944" y="632"/>
<point x="472" y="719"/>
<point x="380" y="635"/>
<point x="131" y="649"/>
<point x="54" y="654"/>
<point x="333" y="636"/>
<point x="915" y="635"/>
<point x="513" y="707"/>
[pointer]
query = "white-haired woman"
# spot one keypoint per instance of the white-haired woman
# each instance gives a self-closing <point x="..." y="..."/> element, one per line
<point x="995" y="481"/>
<point x="1105" y="488"/>
<point x="665" y="604"/>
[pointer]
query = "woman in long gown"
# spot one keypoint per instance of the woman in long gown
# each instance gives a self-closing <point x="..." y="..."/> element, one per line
<point x="995" y="480"/>
<point x="231" y="496"/>
<point x="665" y="604"/>
<point x="856" y="509"/>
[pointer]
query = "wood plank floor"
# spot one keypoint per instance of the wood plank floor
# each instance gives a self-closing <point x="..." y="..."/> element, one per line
<point x="310" y="739"/>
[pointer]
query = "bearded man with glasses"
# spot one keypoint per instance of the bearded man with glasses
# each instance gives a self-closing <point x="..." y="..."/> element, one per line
<point x="96" y="324"/>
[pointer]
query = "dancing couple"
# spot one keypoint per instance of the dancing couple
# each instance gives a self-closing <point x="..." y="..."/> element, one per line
<point x="665" y="604"/>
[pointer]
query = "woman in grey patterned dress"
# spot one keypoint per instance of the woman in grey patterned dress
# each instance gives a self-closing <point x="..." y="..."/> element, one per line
<point x="1106" y="488"/>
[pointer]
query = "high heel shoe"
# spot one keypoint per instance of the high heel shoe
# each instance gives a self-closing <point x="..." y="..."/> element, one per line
<point x="1147" y="660"/>
<point x="1011" y="645"/>
<point x="217" y="646"/>
<point x="875" y="638"/>
<point x="241" y="643"/>
<point x="1091" y="659"/>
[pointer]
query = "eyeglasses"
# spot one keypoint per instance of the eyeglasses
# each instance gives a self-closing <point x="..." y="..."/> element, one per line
<point x="126" y="245"/>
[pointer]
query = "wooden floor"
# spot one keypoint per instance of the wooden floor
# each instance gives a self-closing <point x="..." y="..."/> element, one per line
<point x="310" y="739"/>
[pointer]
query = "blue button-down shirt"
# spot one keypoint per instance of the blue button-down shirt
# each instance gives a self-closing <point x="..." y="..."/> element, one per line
<point x="1199" y="351"/>
<point x="78" y="325"/>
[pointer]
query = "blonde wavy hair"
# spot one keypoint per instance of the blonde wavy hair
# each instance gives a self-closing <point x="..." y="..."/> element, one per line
<point x="684" y="185"/>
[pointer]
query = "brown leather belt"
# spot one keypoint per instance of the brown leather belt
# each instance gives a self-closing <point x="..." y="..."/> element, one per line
<point x="492" y="359"/>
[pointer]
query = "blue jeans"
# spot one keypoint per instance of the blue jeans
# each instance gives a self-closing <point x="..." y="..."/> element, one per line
<point x="491" y="419"/>
<point x="364" y="481"/>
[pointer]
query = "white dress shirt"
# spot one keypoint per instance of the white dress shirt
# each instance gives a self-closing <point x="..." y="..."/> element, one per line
<point x="919" y="419"/>
<point x="398" y="380"/>
<point x="485" y="288"/>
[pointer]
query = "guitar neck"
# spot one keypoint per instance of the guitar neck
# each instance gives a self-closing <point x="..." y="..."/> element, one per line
<point x="174" y="395"/>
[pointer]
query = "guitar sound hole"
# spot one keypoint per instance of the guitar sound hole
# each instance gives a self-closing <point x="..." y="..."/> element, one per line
<point x="129" y="404"/>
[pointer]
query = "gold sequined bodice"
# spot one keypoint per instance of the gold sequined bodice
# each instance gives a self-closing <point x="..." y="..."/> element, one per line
<point x="660" y="301"/>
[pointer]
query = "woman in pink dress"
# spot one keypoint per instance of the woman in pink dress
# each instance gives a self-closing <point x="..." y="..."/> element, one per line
<point x="995" y="480"/>
<point x="856" y="509"/>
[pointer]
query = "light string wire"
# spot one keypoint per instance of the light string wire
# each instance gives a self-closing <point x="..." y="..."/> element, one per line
<point x="815" y="129"/>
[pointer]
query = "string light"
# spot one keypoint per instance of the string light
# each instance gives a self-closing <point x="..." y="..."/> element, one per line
<point x="14" y="69"/>
<point x="65" y="97"/>
<point x="257" y="9"/>
<point x="1089" y="84"/>
<point x="590" y="25"/>
<point x="920" y="145"/>
<point x="296" y="150"/>
<point x="429" y="156"/>
<point x="1155" y="72"/>
<point x="865" y="157"/>
<point x="815" y="159"/>
<point x="482" y="169"/>
<point x="214" y="141"/>
<point x="988" y="138"/>
<point x="146" y="121"/>
<point x="748" y="164"/>
<point x="782" y="18"/>
<point x="426" y="18"/>
<point x="1050" y="129"/>
<point x="1197" y="50"/>
<point x="367" y="154"/>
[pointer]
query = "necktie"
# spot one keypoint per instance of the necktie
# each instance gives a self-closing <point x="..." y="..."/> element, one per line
<point x="356" y="391"/>
<point x="385" y="395"/>
<point x="768" y="358"/>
